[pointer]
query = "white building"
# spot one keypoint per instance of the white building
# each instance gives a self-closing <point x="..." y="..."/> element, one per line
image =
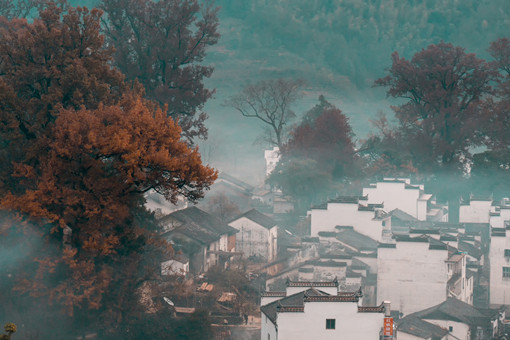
<point x="366" y="219"/>
<point x="257" y="236"/>
<point x="204" y="239"/>
<point x="178" y="266"/>
<point x="400" y="193"/>
<point x="309" y="311"/>
<point x="158" y="204"/>
<point x="499" y="256"/>
<point x="272" y="158"/>
<point x="419" y="272"/>
<point x="475" y="210"/>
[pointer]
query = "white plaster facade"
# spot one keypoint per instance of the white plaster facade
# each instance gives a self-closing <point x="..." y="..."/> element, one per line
<point x="175" y="267"/>
<point x="399" y="193"/>
<point x="336" y="213"/>
<point x="255" y="239"/>
<point x="311" y="324"/>
<point x="412" y="276"/>
<point x="476" y="211"/>
<point x="417" y="273"/>
<point x="458" y="330"/>
<point x="304" y="311"/>
<point x="499" y="256"/>
<point x="272" y="158"/>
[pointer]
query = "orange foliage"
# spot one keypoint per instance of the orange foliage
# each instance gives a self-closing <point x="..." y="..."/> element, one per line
<point x="78" y="151"/>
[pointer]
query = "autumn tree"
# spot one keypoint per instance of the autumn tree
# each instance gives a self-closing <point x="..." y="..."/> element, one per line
<point x="444" y="90"/>
<point x="318" y="157"/>
<point x="269" y="101"/>
<point x="79" y="148"/>
<point x="162" y="45"/>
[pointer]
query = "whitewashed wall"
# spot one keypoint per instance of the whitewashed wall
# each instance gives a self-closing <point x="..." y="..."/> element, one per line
<point x="254" y="239"/>
<point x="346" y="214"/>
<point x="312" y="323"/>
<point x="499" y="286"/>
<point x="267" y="328"/>
<point x="475" y="212"/>
<point x="411" y="276"/>
<point x="395" y="195"/>
<point x="460" y="330"/>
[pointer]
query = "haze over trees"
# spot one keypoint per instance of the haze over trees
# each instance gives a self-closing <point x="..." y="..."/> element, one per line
<point x="318" y="158"/>
<point x="89" y="122"/>
<point x="269" y="101"/>
<point x="444" y="91"/>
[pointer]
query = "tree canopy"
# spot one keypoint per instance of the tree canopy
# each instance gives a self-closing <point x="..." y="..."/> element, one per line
<point x="79" y="148"/>
<point x="162" y="45"/>
<point x="319" y="156"/>
<point x="444" y="91"/>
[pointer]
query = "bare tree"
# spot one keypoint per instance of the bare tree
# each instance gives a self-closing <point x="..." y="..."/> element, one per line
<point x="269" y="101"/>
<point x="21" y="8"/>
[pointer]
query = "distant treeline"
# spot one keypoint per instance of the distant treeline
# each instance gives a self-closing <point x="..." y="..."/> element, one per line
<point x="356" y="38"/>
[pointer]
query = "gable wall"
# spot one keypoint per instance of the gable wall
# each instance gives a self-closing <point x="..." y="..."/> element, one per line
<point x="411" y="276"/>
<point x="394" y="195"/>
<point x="253" y="239"/>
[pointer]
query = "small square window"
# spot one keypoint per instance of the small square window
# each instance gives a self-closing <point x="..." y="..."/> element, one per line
<point x="330" y="323"/>
<point x="507" y="252"/>
<point x="506" y="271"/>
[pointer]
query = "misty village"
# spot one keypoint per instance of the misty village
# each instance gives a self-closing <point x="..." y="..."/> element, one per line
<point x="254" y="169"/>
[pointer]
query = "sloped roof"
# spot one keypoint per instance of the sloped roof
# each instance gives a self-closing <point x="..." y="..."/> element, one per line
<point x="454" y="310"/>
<point x="423" y="329"/>
<point x="348" y="199"/>
<point x="470" y="249"/>
<point x="296" y="302"/>
<point x="237" y="182"/>
<point x="433" y="243"/>
<point x="258" y="217"/>
<point x="193" y="215"/>
<point x="401" y="215"/>
<point x="348" y="236"/>
<point x="198" y="225"/>
<point x="358" y="264"/>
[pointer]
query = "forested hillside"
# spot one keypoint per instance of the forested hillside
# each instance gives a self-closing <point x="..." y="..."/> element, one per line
<point x="324" y="40"/>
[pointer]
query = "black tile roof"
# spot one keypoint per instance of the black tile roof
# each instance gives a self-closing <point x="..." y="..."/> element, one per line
<point x="258" y="217"/>
<point x="348" y="236"/>
<point x="401" y="215"/>
<point x="423" y="329"/>
<point x="198" y="225"/>
<point x="454" y="310"/>
<point x="296" y="302"/>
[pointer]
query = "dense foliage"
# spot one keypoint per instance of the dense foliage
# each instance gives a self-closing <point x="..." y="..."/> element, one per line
<point x="79" y="149"/>
<point x="319" y="157"/>
<point x="162" y="45"/>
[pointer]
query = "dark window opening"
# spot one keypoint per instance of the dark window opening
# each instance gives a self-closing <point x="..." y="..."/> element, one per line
<point x="330" y="323"/>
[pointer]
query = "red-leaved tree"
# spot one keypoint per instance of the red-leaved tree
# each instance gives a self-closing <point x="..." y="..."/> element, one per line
<point x="444" y="91"/>
<point x="319" y="156"/>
